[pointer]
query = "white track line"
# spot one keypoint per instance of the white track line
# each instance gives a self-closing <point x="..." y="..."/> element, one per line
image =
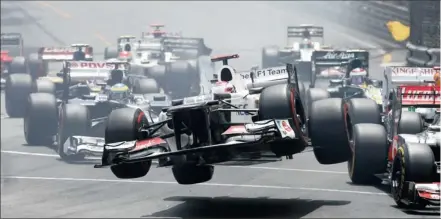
<point x="202" y="184"/>
<point x="222" y="166"/>
<point x="30" y="154"/>
<point x="288" y="169"/>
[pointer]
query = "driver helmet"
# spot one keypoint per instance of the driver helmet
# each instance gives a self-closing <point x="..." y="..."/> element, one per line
<point x="118" y="92"/>
<point x="358" y="76"/>
<point x="307" y="44"/>
<point x="223" y="87"/>
<point x="116" y="75"/>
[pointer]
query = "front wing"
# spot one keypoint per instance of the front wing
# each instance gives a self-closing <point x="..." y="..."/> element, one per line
<point x="156" y="147"/>
<point x="424" y="193"/>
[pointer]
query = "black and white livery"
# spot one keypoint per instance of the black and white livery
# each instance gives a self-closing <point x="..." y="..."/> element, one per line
<point x="81" y="110"/>
<point x="202" y="134"/>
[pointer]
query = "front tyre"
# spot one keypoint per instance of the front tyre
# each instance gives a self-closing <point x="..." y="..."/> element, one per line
<point x="415" y="163"/>
<point x="123" y="125"/>
<point x="41" y="119"/>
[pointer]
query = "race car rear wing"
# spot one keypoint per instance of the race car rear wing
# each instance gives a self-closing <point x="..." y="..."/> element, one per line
<point x="409" y="75"/>
<point x="180" y="44"/>
<point x="305" y="31"/>
<point x="336" y="57"/>
<point x="418" y="81"/>
<point x="64" y="53"/>
<point x="224" y="58"/>
<point x="57" y="53"/>
<point x="11" y="39"/>
<point x="425" y="96"/>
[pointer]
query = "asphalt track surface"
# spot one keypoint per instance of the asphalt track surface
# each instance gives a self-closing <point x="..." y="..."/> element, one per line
<point x="36" y="184"/>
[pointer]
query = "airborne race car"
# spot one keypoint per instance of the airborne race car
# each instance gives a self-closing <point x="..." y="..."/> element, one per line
<point x="77" y="117"/>
<point x="207" y="135"/>
<point x="406" y="156"/>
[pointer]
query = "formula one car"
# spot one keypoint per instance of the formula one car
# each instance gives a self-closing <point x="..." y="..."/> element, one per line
<point x="311" y="38"/>
<point x="121" y="43"/>
<point x="332" y="64"/>
<point x="205" y="134"/>
<point x="406" y="155"/>
<point x="18" y="86"/>
<point x="77" y="117"/>
<point x="12" y="54"/>
<point x="157" y="32"/>
<point x="179" y="65"/>
<point x="355" y="83"/>
<point x="40" y="62"/>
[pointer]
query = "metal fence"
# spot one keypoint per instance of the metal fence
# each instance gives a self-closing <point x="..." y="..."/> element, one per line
<point x="424" y="40"/>
<point x="371" y="17"/>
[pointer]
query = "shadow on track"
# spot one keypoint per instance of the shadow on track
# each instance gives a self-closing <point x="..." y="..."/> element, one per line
<point x="232" y="207"/>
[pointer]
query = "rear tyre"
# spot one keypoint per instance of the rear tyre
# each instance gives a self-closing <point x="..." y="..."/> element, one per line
<point x="314" y="94"/>
<point x="123" y="125"/>
<point x="37" y="67"/>
<point x="410" y="123"/>
<point x="41" y="119"/>
<point x="179" y="79"/>
<point x="44" y="86"/>
<point x="326" y="127"/>
<point x="110" y="53"/>
<point x="270" y="57"/>
<point x="17" y="89"/>
<point x="74" y="120"/>
<point x="369" y="156"/>
<point x="413" y="162"/>
<point x="187" y="174"/>
<point x="362" y="110"/>
<point x="145" y="86"/>
<point x="156" y="72"/>
<point x="18" y="65"/>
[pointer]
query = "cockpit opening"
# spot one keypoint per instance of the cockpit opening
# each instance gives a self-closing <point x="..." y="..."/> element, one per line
<point x="127" y="48"/>
<point x="226" y="74"/>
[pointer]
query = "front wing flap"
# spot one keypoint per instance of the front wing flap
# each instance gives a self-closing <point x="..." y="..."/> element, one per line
<point x="155" y="148"/>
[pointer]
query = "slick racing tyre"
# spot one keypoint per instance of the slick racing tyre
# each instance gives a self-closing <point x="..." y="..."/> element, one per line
<point x="74" y="119"/>
<point x="17" y="89"/>
<point x="282" y="102"/>
<point x="37" y="67"/>
<point x="43" y="86"/>
<point x="179" y="79"/>
<point x="415" y="163"/>
<point x="187" y="174"/>
<point x="145" y="86"/>
<point x="18" y="65"/>
<point x="110" y="53"/>
<point x="326" y="128"/>
<point x="270" y="57"/>
<point x="361" y="110"/>
<point x="123" y="125"/>
<point x="314" y="94"/>
<point x="369" y="157"/>
<point x="156" y="72"/>
<point x="41" y="119"/>
<point x="410" y="123"/>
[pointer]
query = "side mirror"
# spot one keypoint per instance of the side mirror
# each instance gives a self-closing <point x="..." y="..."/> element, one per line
<point x="311" y="86"/>
<point x="60" y="74"/>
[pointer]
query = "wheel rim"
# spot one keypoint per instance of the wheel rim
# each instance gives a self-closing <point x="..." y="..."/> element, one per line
<point x="396" y="180"/>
